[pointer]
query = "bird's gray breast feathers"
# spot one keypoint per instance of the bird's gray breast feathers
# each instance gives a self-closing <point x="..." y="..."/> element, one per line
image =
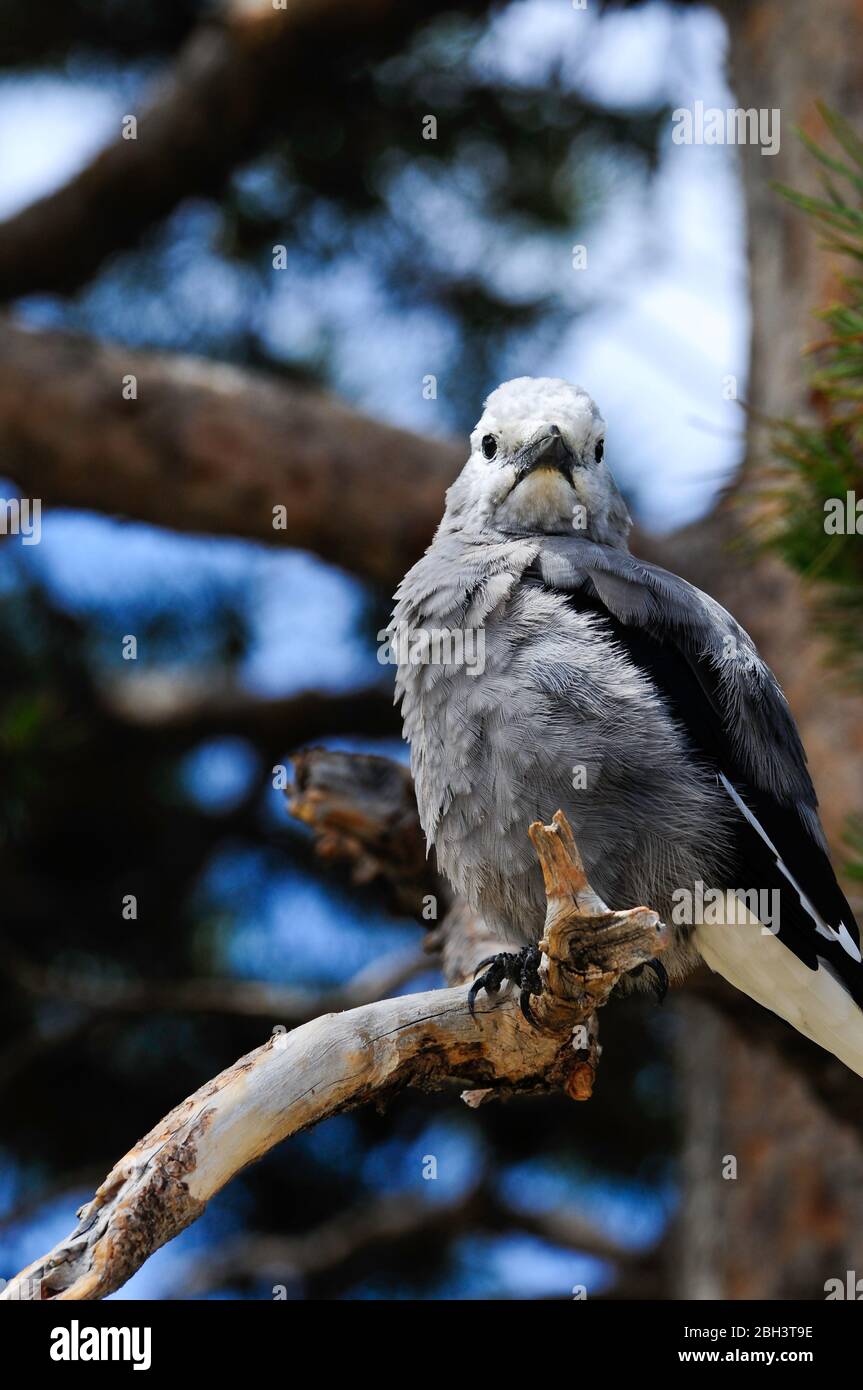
<point x="516" y="704"/>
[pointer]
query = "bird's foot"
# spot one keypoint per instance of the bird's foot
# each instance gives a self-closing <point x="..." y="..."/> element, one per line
<point x="521" y="967"/>
<point x="659" y="980"/>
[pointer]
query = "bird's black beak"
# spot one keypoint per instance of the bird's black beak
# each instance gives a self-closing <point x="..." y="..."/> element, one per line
<point x="549" y="451"/>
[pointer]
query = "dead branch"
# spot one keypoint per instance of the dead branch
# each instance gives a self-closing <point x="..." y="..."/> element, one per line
<point x="211" y="448"/>
<point x="341" y="1061"/>
<point x="362" y="810"/>
<point x="464" y="938"/>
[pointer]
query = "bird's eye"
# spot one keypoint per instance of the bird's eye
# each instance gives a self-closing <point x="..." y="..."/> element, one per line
<point x="489" y="446"/>
<point x="598" y="451"/>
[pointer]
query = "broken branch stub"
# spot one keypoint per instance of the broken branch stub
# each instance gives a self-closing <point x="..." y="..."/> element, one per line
<point x="586" y="946"/>
<point x="361" y="809"/>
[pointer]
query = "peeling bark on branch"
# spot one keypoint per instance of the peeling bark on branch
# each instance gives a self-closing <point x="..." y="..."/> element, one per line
<point x="586" y="947"/>
<point x="341" y="1061"/>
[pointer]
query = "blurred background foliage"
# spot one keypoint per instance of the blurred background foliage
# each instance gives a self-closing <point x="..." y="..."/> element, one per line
<point x="826" y="454"/>
<point x="813" y="496"/>
<point x="404" y="256"/>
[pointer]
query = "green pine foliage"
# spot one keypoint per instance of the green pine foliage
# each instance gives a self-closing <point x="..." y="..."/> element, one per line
<point x="819" y="530"/>
<point x="816" y="525"/>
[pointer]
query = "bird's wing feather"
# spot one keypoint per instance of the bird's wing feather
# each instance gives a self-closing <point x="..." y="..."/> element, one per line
<point x="737" y="720"/>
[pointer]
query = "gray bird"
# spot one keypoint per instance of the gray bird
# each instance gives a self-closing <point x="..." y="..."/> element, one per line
<point x="542" y="665"/>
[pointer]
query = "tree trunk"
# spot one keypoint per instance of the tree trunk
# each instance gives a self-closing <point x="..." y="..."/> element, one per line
<point x="791" y="1216"/>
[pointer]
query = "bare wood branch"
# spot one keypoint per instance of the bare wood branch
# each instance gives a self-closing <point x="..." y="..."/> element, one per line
<point x="362" y="809"/>
<point x="214" y="449"/>
<point x="464" y="939"/>
<point x="577" y="976"/>
<point x="341" y="1061"/>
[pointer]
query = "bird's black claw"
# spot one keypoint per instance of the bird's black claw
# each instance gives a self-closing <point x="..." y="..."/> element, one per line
<point x="659" y="983"/>
<point x="524" y="1005"/>
<point x="471" y="998"/>
<point x="521" y="967"/>
<point x="660" y="979"/>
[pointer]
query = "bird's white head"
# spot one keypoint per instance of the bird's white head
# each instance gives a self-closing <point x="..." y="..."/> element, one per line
<point x="537" y="466"/>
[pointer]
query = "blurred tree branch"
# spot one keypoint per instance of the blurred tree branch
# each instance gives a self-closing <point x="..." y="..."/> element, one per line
<point x="340" y="1061"/>
<point x="182" y="712"/>
<point x="278" y="1005"/>
<point x="214" y="449"/>
<point x="361" y="1236"/>
<point x="210" y="448"/>
<point x="361" y="809"/>
<point x="220" y="101"/>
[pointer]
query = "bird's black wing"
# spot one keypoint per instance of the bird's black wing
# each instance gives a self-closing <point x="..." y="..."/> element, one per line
<point x="737" y="723"/>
